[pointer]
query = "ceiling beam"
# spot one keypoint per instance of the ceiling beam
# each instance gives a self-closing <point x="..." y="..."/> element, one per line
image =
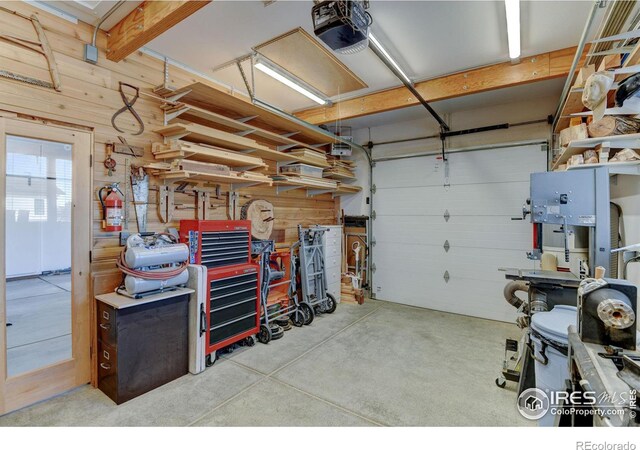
<point x="540" y="67"/>
<point x="148" y="21"/>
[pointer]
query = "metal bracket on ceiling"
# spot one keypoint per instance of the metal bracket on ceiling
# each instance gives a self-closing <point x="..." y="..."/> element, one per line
<point x="373" y="188"/>
<point x="447" y="216"/>
<point x="446" y="276"/>
<point x="446" y="246"/>
<point x="244" y="78"/>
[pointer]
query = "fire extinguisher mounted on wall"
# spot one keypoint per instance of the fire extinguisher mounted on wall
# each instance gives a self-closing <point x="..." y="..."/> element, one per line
<point x="111" y="207"/>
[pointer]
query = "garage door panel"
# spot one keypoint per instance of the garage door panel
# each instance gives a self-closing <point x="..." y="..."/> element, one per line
<point x="503" y="233"/>
<point x="505" y="164"/>
<point x="410" y="201"/>
<point x="480" y="299"/>
<point x="508" y="164"/>
<point x="472" y="264"/>
<point x="478" y="199"/>
<point x="487" y="189"/>
<point x="409" y="172"/>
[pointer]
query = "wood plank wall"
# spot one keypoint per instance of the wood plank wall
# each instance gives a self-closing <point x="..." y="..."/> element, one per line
<point x="89" y="98"/>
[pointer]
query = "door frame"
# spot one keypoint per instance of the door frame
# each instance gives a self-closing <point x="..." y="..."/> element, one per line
<point x="25" y="389"/>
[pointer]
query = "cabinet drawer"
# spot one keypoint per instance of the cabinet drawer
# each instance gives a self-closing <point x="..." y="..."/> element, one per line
<point x="108" y="369"/>
<point x="332" y="242"/>
<point x="107" y="324"/>
<point x="332" y="261"/>
<point x="334" y="232"/>
<point x="233" y="311"/>
<point x="334" y="289"/>
<point x="333" y="275"/>
<point x="331" y="251"/>
<point x="219" y="333"/>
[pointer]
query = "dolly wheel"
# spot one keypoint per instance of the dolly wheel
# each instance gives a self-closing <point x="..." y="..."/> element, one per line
<point x="249" y="341"/>
<point x="330" y="305"/>
<point x="264" y="335"/>
<point x="210" y="359"/>
<point x="501" y="382"/>
<point x="298" y="318"/>
<point x="307" y="310"/>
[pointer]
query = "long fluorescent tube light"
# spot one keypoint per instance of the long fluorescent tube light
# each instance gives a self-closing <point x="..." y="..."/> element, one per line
<point x="512" y="8"/>
<point x="260" y="65"/>
<point x="388" y="57"/>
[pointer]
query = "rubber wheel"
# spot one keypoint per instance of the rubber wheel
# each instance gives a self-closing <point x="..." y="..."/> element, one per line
<point x="330" y="305"/>
<point x="277" y="334"/>
<point x="210" y="359"/>
<point x="264" y="335"/>
<point x="249" y="341"/>
<point x="307" y="310"/>
<point x="501" y="382"/>
<point x="297" y="318"/>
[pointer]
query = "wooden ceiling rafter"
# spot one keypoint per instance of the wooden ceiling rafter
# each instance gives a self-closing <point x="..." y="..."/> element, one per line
<point x="544" y="66"/>
<point x="148" y="21"/>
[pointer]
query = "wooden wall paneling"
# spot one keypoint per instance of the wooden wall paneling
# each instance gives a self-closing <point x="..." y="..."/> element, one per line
<point x="89" y="98"/>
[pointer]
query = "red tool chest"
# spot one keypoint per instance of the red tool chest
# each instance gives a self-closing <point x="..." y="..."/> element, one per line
<point x="233" y="280"/>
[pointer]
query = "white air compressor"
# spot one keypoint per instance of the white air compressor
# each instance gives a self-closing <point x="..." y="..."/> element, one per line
<point x="152" y="264"/>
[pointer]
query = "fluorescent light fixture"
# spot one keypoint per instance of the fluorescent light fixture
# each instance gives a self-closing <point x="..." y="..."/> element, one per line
<point x="388" y="57"/>
<point x="512" y="8"/>
<point x="288" y="80"/>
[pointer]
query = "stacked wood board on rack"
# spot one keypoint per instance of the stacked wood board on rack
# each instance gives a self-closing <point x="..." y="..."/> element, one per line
<point x="340" y="169"/>
<point x="304" y="181"/>
<point x="208" y="126"/>
<point x="312" y="157"/>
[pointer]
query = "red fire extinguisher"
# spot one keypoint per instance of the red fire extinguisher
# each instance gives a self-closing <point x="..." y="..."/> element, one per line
<point x="111" y="207"/>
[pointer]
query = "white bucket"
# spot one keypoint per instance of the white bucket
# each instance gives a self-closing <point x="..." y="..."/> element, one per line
<point x="552" y="326"/>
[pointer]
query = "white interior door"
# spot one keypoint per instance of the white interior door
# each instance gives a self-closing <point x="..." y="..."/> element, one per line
<point x="480" y="190"/>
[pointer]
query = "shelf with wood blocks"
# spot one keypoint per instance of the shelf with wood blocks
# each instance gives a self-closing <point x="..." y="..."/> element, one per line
<point x="184" y="111"/>
<point x="208" y="154"/>
<point x="579" y="146"/>
<point x="233" y="178"/>
<point x="347" y="189"/>
<point x="311" y="157"/>
<point x="338" y="175"/>
<point x="204" y="135"/>
<point x="314" y="186"/>
<point x="241" y="109"/>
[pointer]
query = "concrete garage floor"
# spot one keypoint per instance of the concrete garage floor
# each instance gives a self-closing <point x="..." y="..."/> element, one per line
<point x="370" y="365"/>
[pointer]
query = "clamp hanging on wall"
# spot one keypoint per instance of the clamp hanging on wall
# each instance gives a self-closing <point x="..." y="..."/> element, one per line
<point x="128" y="106"/>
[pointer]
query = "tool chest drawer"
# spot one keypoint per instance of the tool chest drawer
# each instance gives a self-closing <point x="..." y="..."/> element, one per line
<point x="232" y="304"/>
<point x="217" y="243"/>
<point x="224" y="248"/>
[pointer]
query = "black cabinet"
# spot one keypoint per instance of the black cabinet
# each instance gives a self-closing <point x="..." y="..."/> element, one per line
<point x="142" y="344"/>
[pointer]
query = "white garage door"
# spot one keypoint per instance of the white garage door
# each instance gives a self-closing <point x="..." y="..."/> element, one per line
<point x="486" y="188"/>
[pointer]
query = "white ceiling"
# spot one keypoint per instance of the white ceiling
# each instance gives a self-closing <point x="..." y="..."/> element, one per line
<point x="429" y="38"/>
<point x="91" y="11"/>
